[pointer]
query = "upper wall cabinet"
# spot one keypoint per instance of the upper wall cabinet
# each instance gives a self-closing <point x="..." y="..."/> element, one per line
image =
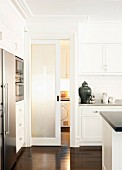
<point x="100" y="32"/>
<point x="10" y="41"/>
<point x="100" y="59"/>
<point x="90" y="60"/>
<point x="113" y="58"/>
<point x="7" y="38"/>
<point x="11" y="29"/>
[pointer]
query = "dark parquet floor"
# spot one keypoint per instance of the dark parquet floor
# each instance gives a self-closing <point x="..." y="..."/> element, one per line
<point x="60" y="158"/>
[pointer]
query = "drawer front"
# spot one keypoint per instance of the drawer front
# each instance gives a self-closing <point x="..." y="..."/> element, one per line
<point x="20" y="124"/>
<point x="20" y="110"/>
<point x="19" y="140"/>
<point x="90" y="112"/>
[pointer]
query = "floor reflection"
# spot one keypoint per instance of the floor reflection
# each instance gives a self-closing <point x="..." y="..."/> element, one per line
<point x="60" y="158"/>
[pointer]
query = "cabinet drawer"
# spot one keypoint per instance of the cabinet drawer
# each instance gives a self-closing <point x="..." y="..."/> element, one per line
<point x="20" y="124"/>
<point x="90" y="111"/>
<point x="20" y="140"/>
<point x="20" y="110"/>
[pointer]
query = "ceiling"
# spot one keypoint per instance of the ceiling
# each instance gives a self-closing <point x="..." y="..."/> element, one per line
<point x="97" y="9"/>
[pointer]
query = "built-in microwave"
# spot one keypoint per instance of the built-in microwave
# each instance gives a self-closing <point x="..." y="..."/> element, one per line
<point x="19" y="79"/>
<point x="19" y="66"/>
<point x="19" y="92"/>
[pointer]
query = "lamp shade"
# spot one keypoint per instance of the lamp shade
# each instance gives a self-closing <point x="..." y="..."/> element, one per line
<point x="64" y="85"/>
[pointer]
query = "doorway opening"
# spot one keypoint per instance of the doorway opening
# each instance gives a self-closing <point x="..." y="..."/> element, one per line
<point x="65" y="91"/>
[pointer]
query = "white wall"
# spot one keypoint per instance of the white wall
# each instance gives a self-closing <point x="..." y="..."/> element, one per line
<point x="99" y="84"/>
<point x="99" y="32"/>
<point x="57" y="30"/>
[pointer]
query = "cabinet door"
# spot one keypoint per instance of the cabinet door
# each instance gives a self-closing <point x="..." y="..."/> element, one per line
<point x="91" y="58"/>
<point x="91" y="128"/>
<point x="19" y="125"/>
<point x="114" y="57"/>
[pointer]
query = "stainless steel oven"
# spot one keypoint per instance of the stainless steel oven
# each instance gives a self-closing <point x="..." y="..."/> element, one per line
<point x="19" y="80"/>
<point x="19" y="66"/>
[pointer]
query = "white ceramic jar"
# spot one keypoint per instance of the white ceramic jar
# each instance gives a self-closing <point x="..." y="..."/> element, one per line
<point x="105" y="98"/>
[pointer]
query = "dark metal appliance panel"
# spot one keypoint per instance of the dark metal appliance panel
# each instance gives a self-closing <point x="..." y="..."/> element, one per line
<point x="1" y="148"/>
<point x="9" y="110"/>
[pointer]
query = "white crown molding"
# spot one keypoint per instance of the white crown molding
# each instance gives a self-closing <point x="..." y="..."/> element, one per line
<point x="103" y="24"/>
<point x="50" y="35"/>
<point x="23" y="8"/>
<point x="25" y="11"/>
<point x="59" y="18"/>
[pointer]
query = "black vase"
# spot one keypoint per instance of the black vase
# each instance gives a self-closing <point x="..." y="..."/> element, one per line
<point x="85" y="93"/>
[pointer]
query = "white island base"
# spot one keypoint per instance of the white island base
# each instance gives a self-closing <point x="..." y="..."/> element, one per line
<point x="111" y="148"/>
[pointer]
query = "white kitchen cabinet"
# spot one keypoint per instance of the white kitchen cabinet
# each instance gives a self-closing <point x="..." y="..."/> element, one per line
<point x="90" y="124"/>
<point x="100" y="59"/>
<point x="90" y="60"/>
<point x="11" y="41"/>
<point x="19" y="125"/>
<point x="113" y="58"/>
<point x="7" y="38"/>
<point x="65" y="61"/>
<point x="91" y="127"/>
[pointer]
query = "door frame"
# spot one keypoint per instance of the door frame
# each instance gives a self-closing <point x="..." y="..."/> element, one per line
<point x="73" y="38"/>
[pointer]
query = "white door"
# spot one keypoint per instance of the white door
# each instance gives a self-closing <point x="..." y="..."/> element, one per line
<point x="45" y="106"/>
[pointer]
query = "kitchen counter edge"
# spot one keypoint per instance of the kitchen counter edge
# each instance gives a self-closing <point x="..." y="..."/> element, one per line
<point x="114" y="119"/>
<point x="99" y="103"/>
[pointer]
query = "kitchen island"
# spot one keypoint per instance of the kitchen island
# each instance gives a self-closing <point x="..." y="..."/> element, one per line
<point x="111" y="140"/>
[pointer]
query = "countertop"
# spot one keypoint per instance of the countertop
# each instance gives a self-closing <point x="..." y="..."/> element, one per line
<point x="65" y="99"/>
<point x="98" y="102"/>
<point x="114" y="119"/>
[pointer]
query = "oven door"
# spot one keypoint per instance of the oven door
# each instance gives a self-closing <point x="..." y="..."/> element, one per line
<point x="19" y="91"/>
<point x="19" y="66"/>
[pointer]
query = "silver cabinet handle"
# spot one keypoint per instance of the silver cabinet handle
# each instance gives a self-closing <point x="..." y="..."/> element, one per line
<point x="95" y="111"/>
<point x="105" y="67"/>
<point x="6" y="109"/>
<point x="20" y="124"/>
<point x="20" y="138"/>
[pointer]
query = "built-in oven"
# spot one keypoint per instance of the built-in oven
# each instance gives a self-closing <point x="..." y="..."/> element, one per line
<point x="19" y="66"/>
<point x="19" y="79"/>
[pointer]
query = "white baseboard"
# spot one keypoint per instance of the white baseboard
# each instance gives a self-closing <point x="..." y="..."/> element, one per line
<point x="84" y="143"/>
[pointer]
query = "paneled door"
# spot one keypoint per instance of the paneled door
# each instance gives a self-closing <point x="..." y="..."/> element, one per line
<point x="45" y="91"/>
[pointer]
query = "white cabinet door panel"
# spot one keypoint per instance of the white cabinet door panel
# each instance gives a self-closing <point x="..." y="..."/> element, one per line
<point x="91" y="128"/>
<point x="114" y="57"/>
<point x="19" y="125"/>
<point x="20" y="140"/>
<point x="90" y="60"/>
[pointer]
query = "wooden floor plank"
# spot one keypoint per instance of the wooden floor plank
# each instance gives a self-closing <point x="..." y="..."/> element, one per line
<point x="60" y="158"/>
